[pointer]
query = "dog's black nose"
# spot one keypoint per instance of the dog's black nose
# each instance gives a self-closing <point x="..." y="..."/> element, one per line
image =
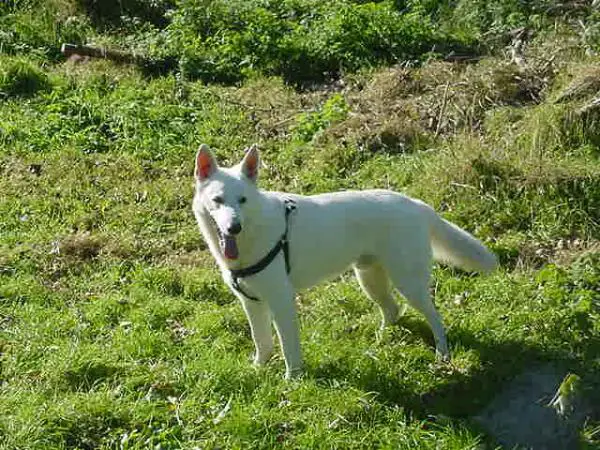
<point x="234" y="228"/>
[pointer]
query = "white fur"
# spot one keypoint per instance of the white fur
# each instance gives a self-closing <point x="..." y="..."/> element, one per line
<point x="384" y="236"/>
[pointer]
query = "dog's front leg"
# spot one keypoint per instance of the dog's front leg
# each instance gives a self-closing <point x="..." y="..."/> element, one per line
<point x="259" y="318"/>
<point x="283" y="308"/>
<point x="273" y="287"/>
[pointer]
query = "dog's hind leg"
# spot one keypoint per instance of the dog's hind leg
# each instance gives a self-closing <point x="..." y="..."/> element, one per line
<point x="411" y="278"/>
<point x="259" y="317"/>
<point x="374" y="281"/>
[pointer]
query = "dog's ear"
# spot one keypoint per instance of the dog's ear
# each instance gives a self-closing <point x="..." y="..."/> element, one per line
<point x="206" y="165"/>
<point x="250" y="163"/>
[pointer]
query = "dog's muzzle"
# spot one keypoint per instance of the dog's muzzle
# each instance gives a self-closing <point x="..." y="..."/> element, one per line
<point x="227" y="241"/>
<point x="234" y="229"/>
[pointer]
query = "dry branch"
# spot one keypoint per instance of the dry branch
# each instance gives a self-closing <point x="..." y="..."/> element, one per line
<point x="591" y="107"/>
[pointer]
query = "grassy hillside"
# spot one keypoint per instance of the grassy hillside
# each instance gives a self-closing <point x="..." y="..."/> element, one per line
<point x="115" y="328"/>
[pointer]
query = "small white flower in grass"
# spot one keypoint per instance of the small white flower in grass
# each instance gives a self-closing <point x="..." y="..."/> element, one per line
<point x="55" y="250"/>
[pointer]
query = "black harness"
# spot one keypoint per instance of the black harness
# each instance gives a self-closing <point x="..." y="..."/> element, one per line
<point x="282" y="244"/>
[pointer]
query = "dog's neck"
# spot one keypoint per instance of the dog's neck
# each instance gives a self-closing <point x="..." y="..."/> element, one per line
<point x="259" y="236"/>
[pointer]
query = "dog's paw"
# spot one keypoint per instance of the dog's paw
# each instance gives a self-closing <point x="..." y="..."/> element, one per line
<point x="442" y="355"/>
<point x="294" y="374"/>
<point x="260" y="359"/>
<point x="392" y="317"/>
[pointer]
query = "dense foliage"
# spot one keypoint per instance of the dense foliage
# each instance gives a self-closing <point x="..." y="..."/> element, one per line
<point x="304" y="41"/>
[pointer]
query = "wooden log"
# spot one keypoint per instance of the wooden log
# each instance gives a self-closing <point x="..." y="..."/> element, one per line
<point x="99" y="52"/>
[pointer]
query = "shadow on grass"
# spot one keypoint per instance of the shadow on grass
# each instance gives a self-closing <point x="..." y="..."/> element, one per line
<point x="88" y="375"/>
<point x="459" y="394"/>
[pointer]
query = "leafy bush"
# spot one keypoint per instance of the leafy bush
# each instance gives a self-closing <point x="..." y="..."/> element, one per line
<point x="19" y="77"/>
<point x="355" y="36"/>
<point x="304" y="41"/>
<point x="334" y="110"/>
<point x="40" y="29"/>
<point x="107" y="13"/>
<point x="592" y="31"/>
<point x="493" y="22"/>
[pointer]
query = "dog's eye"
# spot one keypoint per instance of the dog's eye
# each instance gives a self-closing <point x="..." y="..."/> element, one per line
<point x="218" y="200"/>
<point x="243" y="200"/>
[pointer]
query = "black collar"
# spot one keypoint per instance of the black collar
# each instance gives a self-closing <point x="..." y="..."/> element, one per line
<point x="282" y="244"/>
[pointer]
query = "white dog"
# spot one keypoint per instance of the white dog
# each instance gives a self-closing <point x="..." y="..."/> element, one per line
<point x="269" y="245"/>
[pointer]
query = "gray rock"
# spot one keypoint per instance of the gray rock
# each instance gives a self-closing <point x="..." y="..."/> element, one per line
<point x="519" y="416"/>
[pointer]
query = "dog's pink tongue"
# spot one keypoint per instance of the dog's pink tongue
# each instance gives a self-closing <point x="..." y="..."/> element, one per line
<point x="230" y="249"/>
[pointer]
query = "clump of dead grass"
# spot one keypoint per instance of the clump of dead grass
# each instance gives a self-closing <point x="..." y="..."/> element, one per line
<point x="584" y="83"/>
<point x="519" y="251"/>
<point x="83" y="246"/>
<point x="271" y="105"/>
<point x="403" y="110"/>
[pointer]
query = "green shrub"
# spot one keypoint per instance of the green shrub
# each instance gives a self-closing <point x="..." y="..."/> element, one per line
<point x="355" y="36"/>
<point x="493" y="23"/>
<point x="334" y="110"/>
<point x="40" y="30"/>
<point x="19" y="77"/>
<point x="303" y="41"/>
<point x="110" y="13"/>
<point x="592" y="31"/>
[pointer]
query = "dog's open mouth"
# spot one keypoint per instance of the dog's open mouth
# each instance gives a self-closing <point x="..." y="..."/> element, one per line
<point x="227" y="242"/>
<point x="228" y="246"/>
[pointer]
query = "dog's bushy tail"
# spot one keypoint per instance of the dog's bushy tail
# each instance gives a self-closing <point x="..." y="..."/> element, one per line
<point x="455" y="246"/>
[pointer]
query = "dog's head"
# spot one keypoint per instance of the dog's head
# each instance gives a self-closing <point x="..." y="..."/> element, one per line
<point x="227" y="195"/>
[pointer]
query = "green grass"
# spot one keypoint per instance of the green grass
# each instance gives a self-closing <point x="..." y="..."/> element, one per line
<point x="115" y="328"/>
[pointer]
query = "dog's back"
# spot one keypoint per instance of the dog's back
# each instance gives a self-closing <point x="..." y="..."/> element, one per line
<point x="329" y="232"/>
